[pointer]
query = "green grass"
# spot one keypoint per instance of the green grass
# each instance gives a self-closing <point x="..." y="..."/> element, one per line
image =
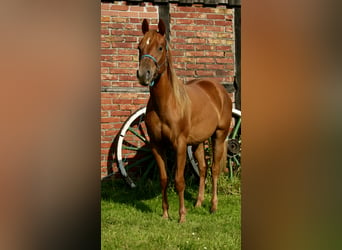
<point x="131" y="218"/>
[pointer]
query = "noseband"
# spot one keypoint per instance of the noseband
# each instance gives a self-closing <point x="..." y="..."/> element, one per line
<point x="156" y="63"/>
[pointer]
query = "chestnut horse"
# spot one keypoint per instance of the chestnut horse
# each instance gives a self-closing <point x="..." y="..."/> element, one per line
<point x="180" y="114"/>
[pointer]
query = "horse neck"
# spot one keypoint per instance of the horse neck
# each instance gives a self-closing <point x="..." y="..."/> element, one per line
<point x="169" y="94"/>
<point x="162" y="93"/>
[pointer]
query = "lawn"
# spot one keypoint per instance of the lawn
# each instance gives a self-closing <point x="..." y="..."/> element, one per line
<point x="131" y="218"/>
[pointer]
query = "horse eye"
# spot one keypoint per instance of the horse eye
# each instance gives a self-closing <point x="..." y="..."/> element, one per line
<point x="160" y="48"/>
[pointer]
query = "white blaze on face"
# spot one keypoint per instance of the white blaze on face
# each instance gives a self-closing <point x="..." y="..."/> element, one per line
<point x="148" y="41"/>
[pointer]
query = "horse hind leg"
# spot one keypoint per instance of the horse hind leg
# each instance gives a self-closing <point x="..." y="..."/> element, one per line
<point x="202" y="166"/>
<point x="218" y="147"/>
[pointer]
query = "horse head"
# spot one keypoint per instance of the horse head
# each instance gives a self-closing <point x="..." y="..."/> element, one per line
<point x="152" y="54"/>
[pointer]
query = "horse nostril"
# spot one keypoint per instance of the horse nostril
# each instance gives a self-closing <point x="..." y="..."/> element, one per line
<point x="148" y="73"/>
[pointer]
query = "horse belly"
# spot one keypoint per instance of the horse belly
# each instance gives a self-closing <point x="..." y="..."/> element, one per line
<point x="202" y="130"/>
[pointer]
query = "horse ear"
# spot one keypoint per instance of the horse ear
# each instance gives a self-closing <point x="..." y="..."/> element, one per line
<point x="161" y="27"/>
<point x="145" y="26"/>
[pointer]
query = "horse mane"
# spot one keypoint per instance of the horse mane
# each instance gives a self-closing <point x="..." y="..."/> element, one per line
<point x="178" y="87"/>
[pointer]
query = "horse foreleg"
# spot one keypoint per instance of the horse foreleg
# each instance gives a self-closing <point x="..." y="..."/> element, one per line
<point x="179" y="177"/>
<point x="218" y="145"/>
<point x="199" y="155"/>
<point x="159" y="155"/>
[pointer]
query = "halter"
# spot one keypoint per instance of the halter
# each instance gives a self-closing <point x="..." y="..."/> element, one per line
<point x="155" y="61"/>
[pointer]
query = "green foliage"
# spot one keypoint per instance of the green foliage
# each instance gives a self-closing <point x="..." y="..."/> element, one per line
<point x="131" y="218"/>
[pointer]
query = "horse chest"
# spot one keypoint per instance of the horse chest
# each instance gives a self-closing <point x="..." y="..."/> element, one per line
<point x="163" y="130"/>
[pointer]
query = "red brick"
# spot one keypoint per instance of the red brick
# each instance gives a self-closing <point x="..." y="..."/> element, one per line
<point x="148" y="15"/>
<point x="107" y="138"/>
<point x="105" y="18"/>
<point x="185" y="72"/>
<point x="194" y="53"/>
<point x="206" y="34"/>
<point x="107" y="95"/>
<point x="119" y="113"/>
<point x="185" y="34"/>
<point x="127" y="107"/>
<point x="128" y="52"/>
<point x="104" y="70"/>
<point x="197" y="15"/>
<point x="223" y="23"/>
<point x="119" y="7"/>
<point x="132" y="32"/>
<point x="131" y="77"/>
<point x="105" y="45"/>
<point x="104" y="114"/>
<point x="214" y="53"/>
<point x="224" y="47"/>
<point x="204" y="47"/>
<point x="186" y="9"/>
<point x="108" y="51"/>
<point x="178" y="15"/>
<point x="116" y="19"/>
<point x="109" y="77"/>
<point x="184" y="46"/>
<point x="140" y="101"/>
<point x="122" y="84"/>
<point x="204" y="22"/>
<point x="178" y="40"/>
<point x="114" y="119"/>
<point x="120" y="71"/>
<point x="214" y="66"/>
<point x="185" y="21"/>
<point x="117" y="32"/>
<point x="108" y="64"/>
<point x="195" y="66"/>
<point x="110" y="107"/>
<point x="106" y="100"/>
<point x="151" y="9"/>
<point x="179" y="27"/>
<point x="108" y="125"/>
<point x="205" y="10"/>
<point x="224" y="60"/>
<point x="128" y="65"/>
<point x="122" y="58"/>
<point x="205" y="73"/>
<point x="205" y="60"/>
<point x="105" y="6"/>
<point x="135" y="20"/>
<point x="215" y="28"/>
<point x="213" y="16"/>
<point x="122" y="101"/>
<point x="104" y="32"/>
<point x="121" y="45"/>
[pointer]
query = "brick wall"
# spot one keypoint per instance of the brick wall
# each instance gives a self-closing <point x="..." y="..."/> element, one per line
<point x="202" y="43"/>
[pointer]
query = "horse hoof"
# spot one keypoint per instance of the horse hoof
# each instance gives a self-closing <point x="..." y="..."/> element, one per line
<point x="213" y="210"/>
<point x="181" y="220"/>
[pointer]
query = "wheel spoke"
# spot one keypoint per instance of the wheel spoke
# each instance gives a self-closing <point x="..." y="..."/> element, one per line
<point x="236" y="161"/>
<point x="236" y="128"/>
<point x="148" y="169"/>
<point x="133" y="148"/>
<point x="137" y="162"/>
<point x="137" y="134"/>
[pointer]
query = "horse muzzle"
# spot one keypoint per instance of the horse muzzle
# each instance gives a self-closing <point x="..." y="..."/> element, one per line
<point x="146" y="75"/>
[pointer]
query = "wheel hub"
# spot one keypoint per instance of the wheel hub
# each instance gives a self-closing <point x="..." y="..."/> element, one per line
<point x="233" y="147"/>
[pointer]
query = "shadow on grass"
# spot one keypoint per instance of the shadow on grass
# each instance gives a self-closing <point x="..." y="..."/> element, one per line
<point x="117" y="191"/>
